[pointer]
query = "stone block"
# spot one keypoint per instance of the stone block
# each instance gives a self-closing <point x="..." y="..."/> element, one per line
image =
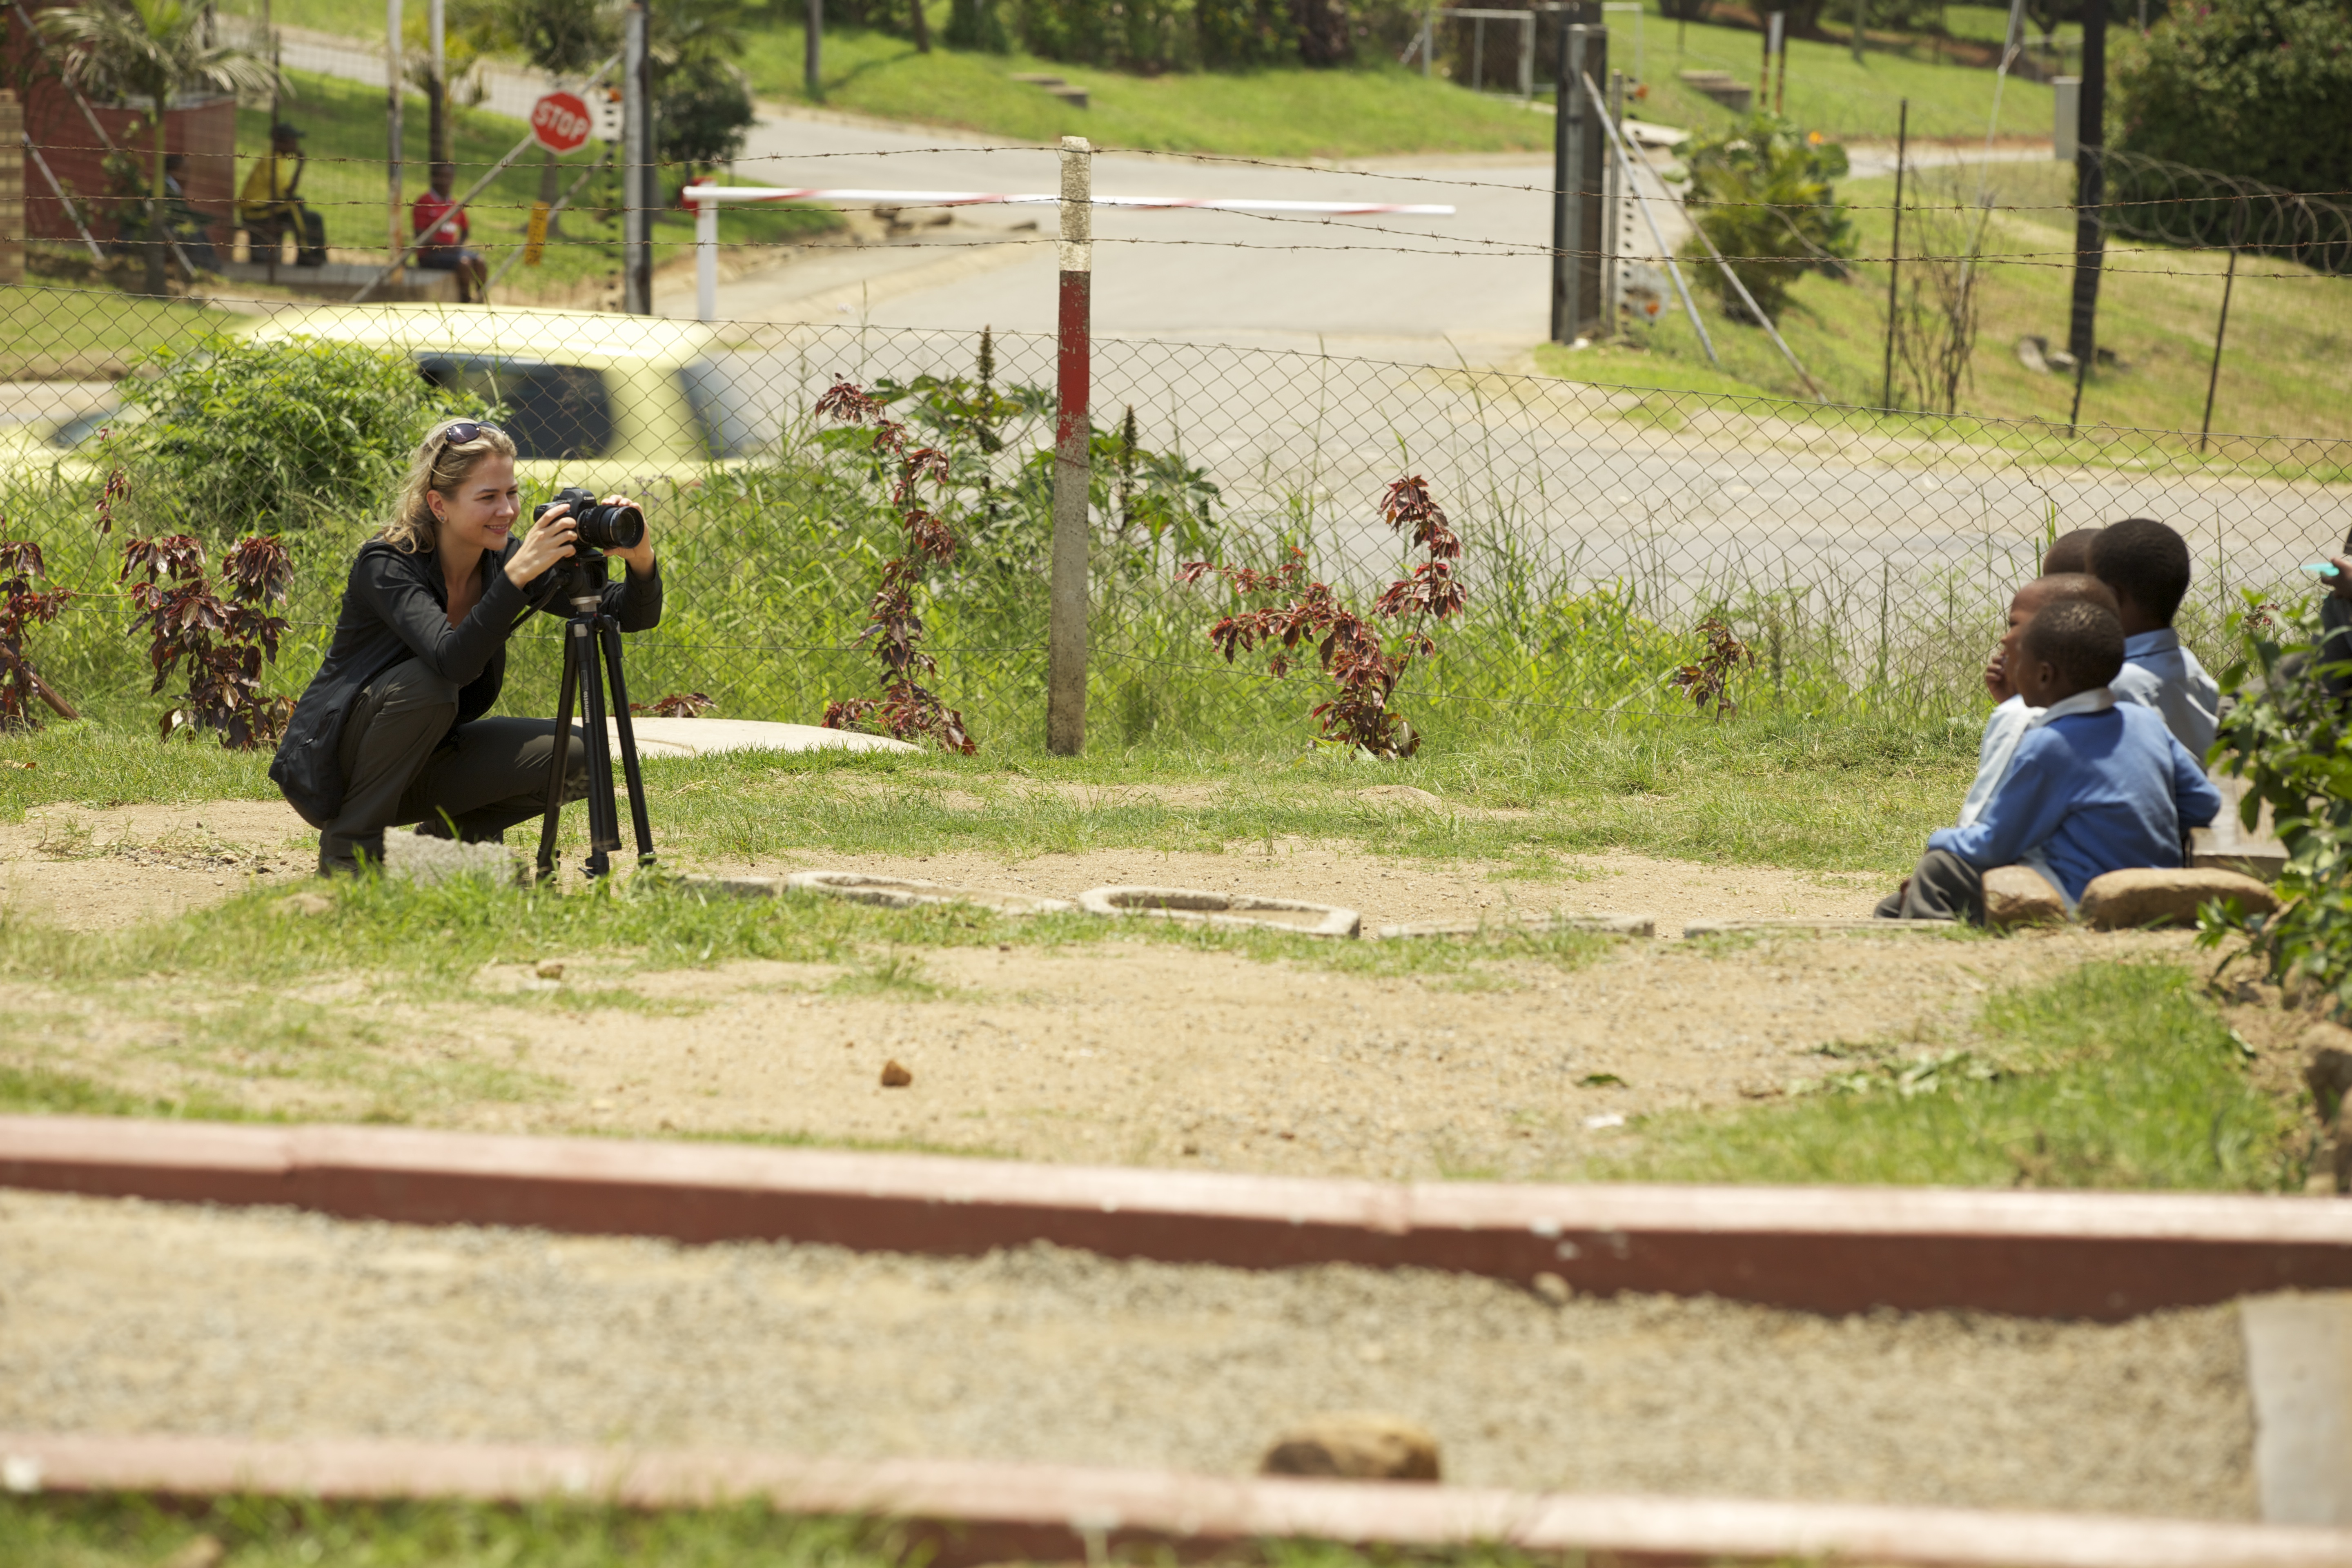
<point x="1200" y="906"/>
<point x="906" y="893"/>
<point x="414" y="858"/>
<point x="1364" y="1447"/>
<point x="2125" y="901"/>
<point x="2021" y="896"/>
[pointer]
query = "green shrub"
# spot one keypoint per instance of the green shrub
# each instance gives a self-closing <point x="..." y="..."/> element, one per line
<point x="974" y="24"/>
<point x="1768" y="186"/>
<point x="2257" y="88"/>
<point x="234" y="438"/>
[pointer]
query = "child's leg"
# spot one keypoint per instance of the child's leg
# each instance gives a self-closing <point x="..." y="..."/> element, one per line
<point x="1942" y="886"/>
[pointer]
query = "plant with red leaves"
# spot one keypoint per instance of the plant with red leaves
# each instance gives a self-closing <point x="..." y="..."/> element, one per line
<point x="893" y="627"/>
<point x="1709" y="680"/>
<point x="1348" y="646"/>
<point x="676" y="705"/>
<point x="23" y="607"/>
<point x="222" y="643"/>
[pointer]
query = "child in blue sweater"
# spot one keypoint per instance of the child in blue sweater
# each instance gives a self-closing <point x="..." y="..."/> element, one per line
<point x="2094" y="786"/>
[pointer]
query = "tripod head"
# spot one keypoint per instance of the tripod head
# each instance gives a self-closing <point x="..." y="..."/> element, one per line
<point x="582" y="579"/>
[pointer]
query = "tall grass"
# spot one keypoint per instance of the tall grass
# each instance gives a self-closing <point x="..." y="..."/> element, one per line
<point x="1599" y="529"/>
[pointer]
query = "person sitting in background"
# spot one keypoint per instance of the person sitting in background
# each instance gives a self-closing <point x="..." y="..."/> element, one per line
<point x="2069" y="552"/>
<point x="440" y="226"/>
<point x="270" y="206"/>
<point x="2147" y="565"/>
<point x="2095" y="785"/>
<point x="2006" y="724"/>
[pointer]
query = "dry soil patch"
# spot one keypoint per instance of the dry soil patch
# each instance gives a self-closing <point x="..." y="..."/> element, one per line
<point x="121" y="1316"/>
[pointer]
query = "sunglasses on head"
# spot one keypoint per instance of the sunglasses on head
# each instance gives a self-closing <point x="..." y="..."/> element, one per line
<point x="463" y="431"/>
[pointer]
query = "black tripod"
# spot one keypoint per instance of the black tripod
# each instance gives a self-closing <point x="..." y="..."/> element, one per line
<point x="590" y="637"/>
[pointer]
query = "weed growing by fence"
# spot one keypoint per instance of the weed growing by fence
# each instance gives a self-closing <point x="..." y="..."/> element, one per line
<point x="893" y="628"/>
<point x="1347" y="646"/>
<point x="22" y="608"/>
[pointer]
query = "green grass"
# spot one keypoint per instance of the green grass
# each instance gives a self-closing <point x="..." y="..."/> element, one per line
<point x="58" y="330"/>
<point x="130" y="1531"/>
<point x="133" y="1531"/>
<point x="2282" y="373"/>
<point x="1788" y="791"/>
<point x="1373" y="108"/>
<point x="2118" y="1075"/>
<point x="1827" y="92"/>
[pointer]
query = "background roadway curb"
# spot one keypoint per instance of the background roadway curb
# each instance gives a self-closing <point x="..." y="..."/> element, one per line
<point x="975" y="1512"/>
<point x="2104" y="1256"/>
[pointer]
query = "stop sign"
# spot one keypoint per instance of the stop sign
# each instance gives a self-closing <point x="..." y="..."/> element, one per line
<point x="560" y="122"/>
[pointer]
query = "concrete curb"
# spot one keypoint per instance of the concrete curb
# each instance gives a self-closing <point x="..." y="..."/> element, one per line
<point x="1531" y="924"/>
<point x="2101" y="1256"/>
<point x="975" y="1512"/>
<point x="906" y="893"/>
<point x="1198" y="906"/>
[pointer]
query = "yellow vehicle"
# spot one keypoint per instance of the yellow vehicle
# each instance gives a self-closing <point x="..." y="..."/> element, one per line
<point x="613" y="403"/>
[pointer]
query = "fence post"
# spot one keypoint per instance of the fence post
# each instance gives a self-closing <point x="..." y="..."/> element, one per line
<point x="706" y="259"/>
<point x="1066" y="637"/>
<point x="812" y="53"/>
<point x="636" y="158"/>
<point x="1613" y="207"/>
<point x="392" y="214"/>
<point x="1894" y="254"/>
<point x="2221" y="328"/>
<point x="2090" y="191"/>
<point x="12" y="188"/>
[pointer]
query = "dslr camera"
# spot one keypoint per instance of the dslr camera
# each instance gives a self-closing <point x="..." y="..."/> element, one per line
<point x="602" y="527"/>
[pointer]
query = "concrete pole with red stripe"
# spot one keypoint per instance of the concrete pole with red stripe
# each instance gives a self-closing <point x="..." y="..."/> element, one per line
<point x="1065" y="635"/>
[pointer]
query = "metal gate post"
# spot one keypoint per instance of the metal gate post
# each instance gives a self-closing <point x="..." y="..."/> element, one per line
<point x="1066" y="637"/>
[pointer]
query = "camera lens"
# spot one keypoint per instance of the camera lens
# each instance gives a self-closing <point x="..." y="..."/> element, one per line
<point x="611" y="527"/>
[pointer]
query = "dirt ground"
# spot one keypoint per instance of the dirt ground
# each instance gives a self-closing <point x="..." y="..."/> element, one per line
<point x="1123" y="1051"/>
<point x="94" y="870"/>
<point x="124" y="1317"/>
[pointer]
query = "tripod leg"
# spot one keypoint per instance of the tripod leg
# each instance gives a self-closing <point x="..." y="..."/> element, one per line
<point x="609" y="630"/>
<point x="553" y="818"/>
<point x="604" y="819"/>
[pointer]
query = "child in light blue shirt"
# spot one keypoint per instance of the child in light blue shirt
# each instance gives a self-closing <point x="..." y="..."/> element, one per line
<point x="2147" y="566"/>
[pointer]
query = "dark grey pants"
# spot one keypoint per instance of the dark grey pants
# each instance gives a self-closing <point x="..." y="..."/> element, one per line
<point x="1943" y="887"/>
<point x="401" y="762"/>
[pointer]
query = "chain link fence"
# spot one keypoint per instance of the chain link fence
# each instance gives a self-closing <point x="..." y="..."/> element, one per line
<point x="1868" y="558"/>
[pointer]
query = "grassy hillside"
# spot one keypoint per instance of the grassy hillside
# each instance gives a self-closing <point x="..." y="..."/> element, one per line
<point x="1378" y="109"/>
<point x="2284" y="368"/>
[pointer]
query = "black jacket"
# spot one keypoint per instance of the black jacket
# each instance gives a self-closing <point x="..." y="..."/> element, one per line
<point x="397" y="607"/>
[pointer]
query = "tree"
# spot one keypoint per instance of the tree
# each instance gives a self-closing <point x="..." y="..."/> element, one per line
<point x="2257" y="88"/>
<point x="150" y="51"/>
<point x="702" y="107"/>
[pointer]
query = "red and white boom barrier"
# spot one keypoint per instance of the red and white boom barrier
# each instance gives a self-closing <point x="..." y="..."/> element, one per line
<point x="709" y="199"/>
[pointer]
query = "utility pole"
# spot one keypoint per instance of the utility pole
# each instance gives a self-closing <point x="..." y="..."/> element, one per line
<point x="1579" y="145"/>
<point x="1065" y="631"/>
<point x="391" y="165"/>
<point x="636" y="163"/>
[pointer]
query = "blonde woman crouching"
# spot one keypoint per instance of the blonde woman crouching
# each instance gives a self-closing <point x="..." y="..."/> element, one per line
<point x="392" y="730"/>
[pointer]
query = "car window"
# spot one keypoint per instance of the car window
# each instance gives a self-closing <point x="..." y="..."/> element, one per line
<point x="81" y="427"/>
<point x="551" y="410"/>
<point x="726" y="416"/>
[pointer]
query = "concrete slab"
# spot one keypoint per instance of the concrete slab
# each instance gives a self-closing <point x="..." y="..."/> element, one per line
<point x="906" y="893"/>
<point x="2299" y="1362"/>
<point x="710" y="737"/>
<point x="1200" y="906"/>
<point x="1607" y="925"/>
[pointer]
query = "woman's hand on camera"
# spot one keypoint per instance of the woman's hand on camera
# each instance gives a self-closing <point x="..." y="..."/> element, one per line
<point x="552" y="539"/>
<point x="639" y="558"/>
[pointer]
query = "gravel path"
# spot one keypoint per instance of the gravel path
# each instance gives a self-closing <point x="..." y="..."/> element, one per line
<point x="120" y="1316"/>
